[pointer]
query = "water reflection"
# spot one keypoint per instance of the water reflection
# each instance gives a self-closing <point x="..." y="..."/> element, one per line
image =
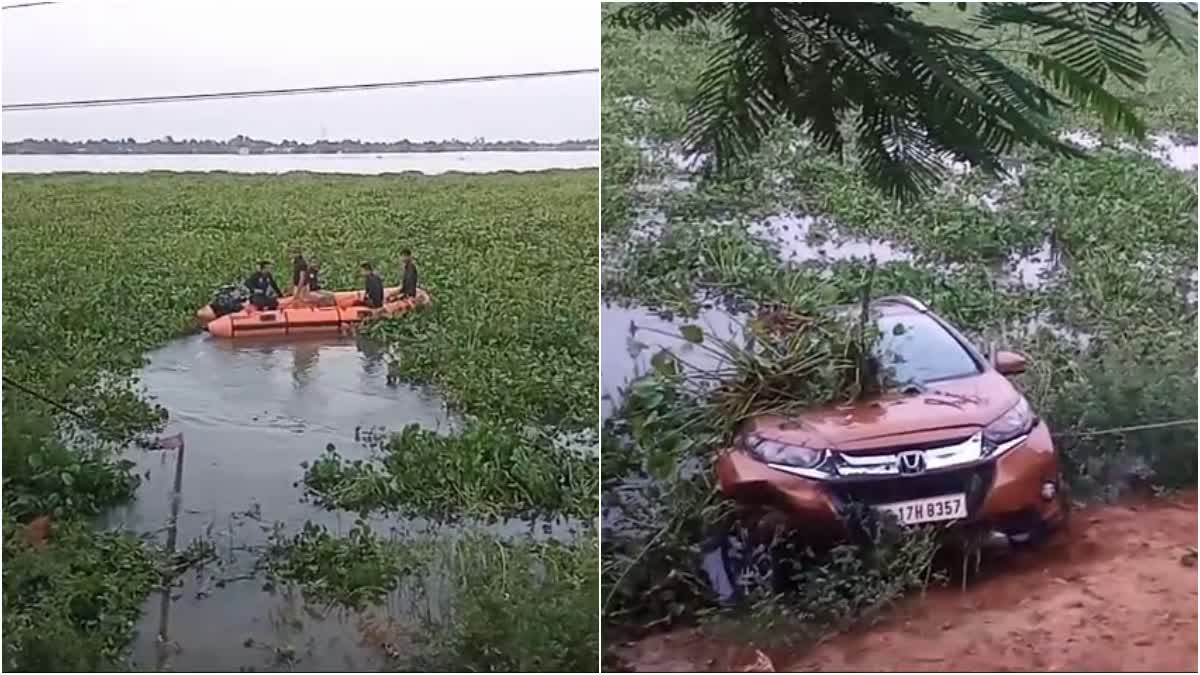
<point x="304" y="360"/>
<point x="250" y="412"/>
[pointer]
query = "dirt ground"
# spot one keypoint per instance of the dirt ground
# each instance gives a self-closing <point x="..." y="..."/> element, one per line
<point x="1115" y="592"/>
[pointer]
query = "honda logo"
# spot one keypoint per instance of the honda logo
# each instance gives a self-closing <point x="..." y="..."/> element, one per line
<point x="912" y="462"/>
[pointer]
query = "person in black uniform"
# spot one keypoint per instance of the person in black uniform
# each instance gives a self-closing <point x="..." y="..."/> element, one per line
<point x="408" y="279"/>
<point x="312" y="275"/>
<point x="264" y="292"/>
<point x="372" y="286"/>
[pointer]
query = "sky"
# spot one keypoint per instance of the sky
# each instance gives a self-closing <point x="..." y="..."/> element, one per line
<point x="80" y="49"/>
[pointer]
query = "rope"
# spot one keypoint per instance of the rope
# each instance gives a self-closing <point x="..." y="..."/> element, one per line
<point x="169" y="443"/>
<point x="257" y="93"/>
<point x="1121" y="430"/>
<point x="46" y="399"/>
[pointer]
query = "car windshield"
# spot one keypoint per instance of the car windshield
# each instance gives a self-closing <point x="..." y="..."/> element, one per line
<point x="918" y="349"/>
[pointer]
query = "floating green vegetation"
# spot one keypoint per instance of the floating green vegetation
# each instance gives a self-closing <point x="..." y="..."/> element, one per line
<point x="71" y="594"/>
<point x="71" y="604"/>
<point x="354" y="571"/>
<point x="98" y="269"/>
<point x="527" y="607"/>
<point x="521" y="606"/>
<point x="133" y="257"/>
<point x="487" y="471"/>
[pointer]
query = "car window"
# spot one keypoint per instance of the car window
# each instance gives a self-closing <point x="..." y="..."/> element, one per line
<point x="918" y="349"/>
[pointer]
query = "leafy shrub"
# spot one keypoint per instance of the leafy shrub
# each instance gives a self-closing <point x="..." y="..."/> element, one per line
<point x="71" y="604"/>
<point x="1142" y="378"/>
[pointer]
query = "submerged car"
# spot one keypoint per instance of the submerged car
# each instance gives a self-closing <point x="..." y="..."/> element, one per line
<point x="955" y="443"/>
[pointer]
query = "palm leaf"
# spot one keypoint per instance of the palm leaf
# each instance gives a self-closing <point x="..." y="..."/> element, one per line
<point x="914" y="92"/>
<point x="1089" y="95"/>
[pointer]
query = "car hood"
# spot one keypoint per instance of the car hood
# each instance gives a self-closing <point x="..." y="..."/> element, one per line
<point x="956" y="406"/>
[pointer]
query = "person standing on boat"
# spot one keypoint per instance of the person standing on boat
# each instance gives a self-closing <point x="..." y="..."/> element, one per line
<point x="264" y="292"/>
<point x="408" y="281"/>
<point x="372" y="286"/>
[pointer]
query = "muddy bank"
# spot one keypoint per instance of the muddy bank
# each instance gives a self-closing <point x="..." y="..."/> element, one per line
<point x="1116" y="592"/>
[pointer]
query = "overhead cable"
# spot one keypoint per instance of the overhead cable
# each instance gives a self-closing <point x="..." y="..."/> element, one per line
<point x="294" y="91"/>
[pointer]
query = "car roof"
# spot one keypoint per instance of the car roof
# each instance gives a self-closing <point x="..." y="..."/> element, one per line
<point x="885" y="306"/>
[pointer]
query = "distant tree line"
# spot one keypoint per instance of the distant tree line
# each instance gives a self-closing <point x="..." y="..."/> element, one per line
<point x="246" y="145"/>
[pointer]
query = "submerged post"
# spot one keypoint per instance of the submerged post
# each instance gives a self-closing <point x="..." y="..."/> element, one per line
<point x="172" y="533"/>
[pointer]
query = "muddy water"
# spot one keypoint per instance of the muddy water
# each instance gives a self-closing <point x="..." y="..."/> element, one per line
<point x="250" y="413"/>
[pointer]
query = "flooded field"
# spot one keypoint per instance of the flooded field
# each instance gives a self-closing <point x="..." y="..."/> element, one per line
<point x="817" y="241"/>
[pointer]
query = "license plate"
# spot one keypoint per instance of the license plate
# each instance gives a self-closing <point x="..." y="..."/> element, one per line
<point x="928" y="510"/>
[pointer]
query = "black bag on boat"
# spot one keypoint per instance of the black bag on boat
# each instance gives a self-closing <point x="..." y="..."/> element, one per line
<point x="228" y="300"/>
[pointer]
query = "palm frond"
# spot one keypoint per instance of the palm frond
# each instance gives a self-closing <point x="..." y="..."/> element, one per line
<point x="915" y="92"/>
<point x="1089" y="95"/>
<point x="664" y="15"/>
<point x="1165" y="24"/>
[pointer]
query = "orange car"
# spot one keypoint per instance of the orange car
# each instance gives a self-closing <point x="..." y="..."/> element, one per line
<point x="955" y="443"/>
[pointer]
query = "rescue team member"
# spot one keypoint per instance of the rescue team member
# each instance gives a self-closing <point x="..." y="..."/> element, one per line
<point x="372" y="286"/>
<point x="408" y="280"/>
<point x="264" y="292"/>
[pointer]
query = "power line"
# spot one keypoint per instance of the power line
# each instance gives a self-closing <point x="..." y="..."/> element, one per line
<point x="30" y="4"/>
<point x="260" y="93"/>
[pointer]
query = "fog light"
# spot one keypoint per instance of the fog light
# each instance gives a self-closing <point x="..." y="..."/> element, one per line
<point x="1049" y="490"/>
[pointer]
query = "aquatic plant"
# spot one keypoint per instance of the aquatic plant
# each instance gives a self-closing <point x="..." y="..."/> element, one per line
<point x="521" y="607"/>
<point x="71" y="603"/>
<point x="354" y="570"/>
<point x="486" y="471"/>
<point x="516" y="606"/>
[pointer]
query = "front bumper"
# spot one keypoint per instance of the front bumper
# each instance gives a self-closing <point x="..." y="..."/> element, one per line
<point x="1003" y="492"/>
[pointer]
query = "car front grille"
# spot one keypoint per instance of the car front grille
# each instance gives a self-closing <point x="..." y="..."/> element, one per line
<point x="974" y="481"/>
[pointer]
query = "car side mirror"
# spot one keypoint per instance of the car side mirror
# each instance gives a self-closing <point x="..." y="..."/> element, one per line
<point x="1010" y="363"/>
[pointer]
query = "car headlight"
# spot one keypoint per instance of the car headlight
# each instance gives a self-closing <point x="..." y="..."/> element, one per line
<point x="1018" y="421"/>
<point x="774" y="452"/>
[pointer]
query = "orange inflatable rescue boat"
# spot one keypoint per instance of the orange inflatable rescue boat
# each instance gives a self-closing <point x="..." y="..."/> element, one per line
<point x="344" y="299"/>
<point x="307" y="320"/>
